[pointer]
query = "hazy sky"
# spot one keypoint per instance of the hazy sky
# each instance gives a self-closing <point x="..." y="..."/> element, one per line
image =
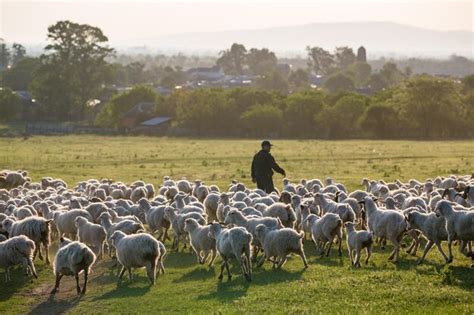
<point x="122" y="21"/>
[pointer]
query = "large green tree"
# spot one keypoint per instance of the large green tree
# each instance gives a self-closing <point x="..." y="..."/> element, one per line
<point x="344" y="57"/>
<point x="233" y="60"/>
<point x="19" y="76"/>
<point x="339" y="82"/>
<point x="10" y="104"/>
<point x="319" y="60"/>
<point x="261" y="61"/>
<point x="73" y="69"/>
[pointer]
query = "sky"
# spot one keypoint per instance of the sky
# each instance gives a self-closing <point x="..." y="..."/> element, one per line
<point x="123" y="21"/>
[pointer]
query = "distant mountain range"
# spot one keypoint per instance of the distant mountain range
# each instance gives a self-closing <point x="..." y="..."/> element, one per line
<point x="379" y="38"/>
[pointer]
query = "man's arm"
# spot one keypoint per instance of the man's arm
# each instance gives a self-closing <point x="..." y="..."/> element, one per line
<point x="253" y="169"/>
<point x="276" y="167"/>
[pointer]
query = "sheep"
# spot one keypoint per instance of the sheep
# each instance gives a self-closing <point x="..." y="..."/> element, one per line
<point x="323" y="231"/>
<point x="211" y="203"/>
<point x="24" y="212"/>
<point x="386" y="224"/>
<point x="199" y="190"/>
<point x="17" y="250"/>
<point x="65" y="221"/>
<point x="282" y="211"/>
<point x="138" y="193"/>
<point x="127" y="226"/>
<point x="12" y="179"/>
<point x="358" y="240"/>
<point x="279" y="243"/>
<point x="250" y="224"/>
<point x="184" y="185"/>
<point x="200" y="241"/>
<point x="459" y="225"/>
<point x="232" y="243"/>
<point x="2" y="238"/>
<point x="156" y="220"/>
<point x="432" y="227"/>
<point x="177" y="221"/>
<point x="91" y="234"/>
<point x="136" y="251"/>
<point x="344" y="211"/>
<point x="224" y="200"/>
<point x="71" y="259"/>
<point x="35" y="228"/>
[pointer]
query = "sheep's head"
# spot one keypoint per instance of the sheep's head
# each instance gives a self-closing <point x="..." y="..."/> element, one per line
<point x="260" y="231"/>
<point x="350" y="226"/>
<point x="442" y="207"/>
<point x="214" y="230"/>
<point x="285" y="197"/>
<point x="116" y="237"/>
<point x="190" y="224"/>
<point x="105" y="216"/>
<point x="232" y="216"/>
<point x="79" y="221"/>
<point x="63" y="241"/>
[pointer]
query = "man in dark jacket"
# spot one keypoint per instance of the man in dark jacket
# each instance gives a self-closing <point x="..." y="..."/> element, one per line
<point x="263" y="165"/>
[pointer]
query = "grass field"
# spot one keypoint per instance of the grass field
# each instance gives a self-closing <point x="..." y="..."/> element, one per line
<point x="329" y="285"/>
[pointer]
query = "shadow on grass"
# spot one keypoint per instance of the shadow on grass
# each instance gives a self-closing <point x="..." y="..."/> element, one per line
<point x="127" y="288"/>
<point x="53" y="306"/>
<point x="203" y="272"/>
<point x="19" y="281"/>
<point x="459" y="276"/>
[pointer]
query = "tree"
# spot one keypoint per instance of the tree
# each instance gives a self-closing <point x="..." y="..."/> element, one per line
<point x="73" y="68"/>
<point x="21" y="74"/>
<point x="339" y="82"/>
<point x="172" y="77"/>
<point x="19" y="53"/>
<point x="10" y="104"/>
<point x="233" y="60"/>
<point x="273" y="81"/>
<point x="4" y="55"/>
<point x="301" y="108"/>
<point x="319" y="60"/>
<point x="377" y="82"/>
<point x="468" y="82"/>
<point x="121" y="103"/>
<point x="262" y="120"/>
<point x="344" y="57"/>
<point x="136" y="73"/>
<point x="261" y="61"/>
<point x="391" y="73"/>
<point x="299" y="78"/>
<point x="381" y="121"/>
<point x="361" y="71"/>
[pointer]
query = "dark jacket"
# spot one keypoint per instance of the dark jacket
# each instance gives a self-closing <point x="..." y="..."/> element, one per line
<point x="264" y="164"/>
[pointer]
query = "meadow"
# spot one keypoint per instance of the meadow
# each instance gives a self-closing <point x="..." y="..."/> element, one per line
<point x="329" y="285"/>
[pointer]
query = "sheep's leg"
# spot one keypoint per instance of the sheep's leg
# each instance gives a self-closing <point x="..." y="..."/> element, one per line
<point x="369" y="252"/>
<point x="206" y="255"/>
<point x="122" y="272"/>
<point x="86" y="274"/>
<point x="31" y="267"/>
<point x="221" y="275"/>
<point x="281" y="262"/>
<point x="262" y="260"/>
<point x="160" y="234"/>
<point x="229" y="276"/>
<point x="303" y="257"/>
<point x="56" y="285"/>
<point x="40" y="255"/>
<point x="339" y="239"/>
<point x="129" y="273"/>
<point x="427" y="248"/>
<point x="162" y="267"/>
<point x="450" y="251"/>
<point x="357" y="258"/>
<point x="78" y="287"/>
<point x="213" y="257"/>
<point x="151" y="271"/>
<point x="396" y="250"/>
<point x="46" y="252"/>
<point x="440" y="249"/>
<point x="7" y="274"/>
<point x="329" y="248"/>
<point x="255" y="251"/>
<point x="349" y="250"/>
<point x="35" y="252"/>
<point x="249" y="264"/>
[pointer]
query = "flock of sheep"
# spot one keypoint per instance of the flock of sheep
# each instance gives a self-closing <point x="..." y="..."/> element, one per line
<point x="131" y="223"/>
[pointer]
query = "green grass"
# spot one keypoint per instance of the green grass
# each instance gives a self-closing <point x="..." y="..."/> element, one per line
<point x="329" y="285"/>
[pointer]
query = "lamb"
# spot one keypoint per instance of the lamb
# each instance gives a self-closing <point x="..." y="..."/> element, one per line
<point x="199" y="190"/>
<point x="282" y="211"/>
<point x="386" y="224"/>
<point x="250" y="224"/>
<point x="65" y="221"/>
<point x="279" y="243"/>
<point x="177" y="221"/>
<point x="90" y="234"/>
<point x="459" y="225"/>
<point x="432" y="227"/>
<point x="358" y="240"/>
<point x="200" y="241"/>
<point x="211" y="204"/>
<point x="231" y="243"/>
<point x="71" y="259"/>
<point x="17" y="250"/>
<point x="323" y="231"/>
<point x="35" y="228"/>
<point x="135" y="251"/>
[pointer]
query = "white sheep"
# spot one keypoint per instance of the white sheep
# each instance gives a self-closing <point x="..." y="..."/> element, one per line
<point x="177" y="221"/>
<point x="323" y="231"/>
<point x="200" y="240"/>
<point x="356" y="241"/>
<point x="277" y="244"/>
<point x="232" y="243"/>
<point x="127" y="226"/>
<point x="282" y="211"/>
<point x="17" y="250"/>
<point x="459" y="225"/>
<point x="385" y="224"/>
<point x="199" y="190"/>
<point x="35" y="228"/>
<point x="71" y="259"/>
<point x="65" y="221"/>
<point x="432" y="227"/>
<point x="136" y="251"/>
<point x="211" y="203"/>
<point x="91" y="234"/>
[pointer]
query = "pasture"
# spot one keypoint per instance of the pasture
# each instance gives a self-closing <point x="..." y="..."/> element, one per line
<point x="329" y="285"/>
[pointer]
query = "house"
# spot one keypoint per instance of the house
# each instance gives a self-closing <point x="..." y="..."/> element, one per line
<point x="137" y="114"/>
<point x="214" y="73"/>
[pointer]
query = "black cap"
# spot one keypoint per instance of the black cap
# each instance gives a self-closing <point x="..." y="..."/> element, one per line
<point x="266" y="143"/>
